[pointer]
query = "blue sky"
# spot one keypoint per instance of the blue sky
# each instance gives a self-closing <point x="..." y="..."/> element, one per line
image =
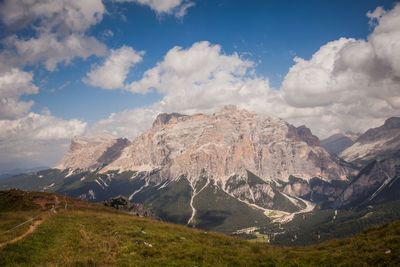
<point x="251" y="44"/>
<point x="272" y="32"/>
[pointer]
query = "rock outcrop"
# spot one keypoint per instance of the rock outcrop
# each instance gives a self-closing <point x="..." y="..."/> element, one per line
<point x="122" y="203"/>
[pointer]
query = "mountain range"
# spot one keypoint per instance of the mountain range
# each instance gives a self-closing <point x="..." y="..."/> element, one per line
<point x="233" y="171"/>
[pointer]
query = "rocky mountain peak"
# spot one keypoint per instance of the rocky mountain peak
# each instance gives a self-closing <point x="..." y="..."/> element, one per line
<point x="227" y="143"/>
<point x="376" y="143"/>
<point x="302" y="133"/>
<point x="92" y="152"/>
<point x="392" y="123"/>
<point x="164" y="118"/>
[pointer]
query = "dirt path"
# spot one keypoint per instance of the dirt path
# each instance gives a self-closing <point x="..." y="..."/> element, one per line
<point x="30" y="230"/>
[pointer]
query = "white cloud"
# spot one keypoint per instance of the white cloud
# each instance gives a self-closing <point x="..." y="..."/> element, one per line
<point x="177" y="8"/>
<point x="37" y="139"/>
<point x="61" y="15"/>
<point x="107" y="34"/>
<point x="349" y="84"/>
<point x="58" y="31"/>
<point x="57" y="34"/>
<point x="129" y="123"/>
<point x="30" y="139"/>
<point x="52" y="50"/>
<point x="201" y="78"/>
<point x="11" y="108"/>
<point x="112" y="73"/>
<point x="14" y="84"/>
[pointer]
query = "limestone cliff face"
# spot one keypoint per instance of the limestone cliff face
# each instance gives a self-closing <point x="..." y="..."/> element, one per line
<point x="90" y="153"/>
<point x="225" y="144"/>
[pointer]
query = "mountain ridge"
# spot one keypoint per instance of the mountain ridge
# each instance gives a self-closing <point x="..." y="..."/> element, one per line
<point x="207" y="132"/>
<point x="375" y="144"/>
<point x="221" y="152"/>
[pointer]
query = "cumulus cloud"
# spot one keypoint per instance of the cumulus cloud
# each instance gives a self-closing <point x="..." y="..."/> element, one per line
<point x="37" y="139"/>
<point x="59" y="28"/>
<point x="348" y="83"/>
<point x="112" y="73"/>
<point x="177" y="8"/>
<point x="52" y="50"/>
<point x="14" y="84"/>
<point x="129" y="123"/>
<point x="61" y="15"/>
<point x="201" y="78"/>
<point x="57" y="34"/>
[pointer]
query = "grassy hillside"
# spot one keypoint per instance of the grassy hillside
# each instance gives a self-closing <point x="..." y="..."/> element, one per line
<point x="217" y="211"/>
<point x="77" y="233"/>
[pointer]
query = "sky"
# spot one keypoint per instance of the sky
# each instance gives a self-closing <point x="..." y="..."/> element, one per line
<point x="71" y="67"/>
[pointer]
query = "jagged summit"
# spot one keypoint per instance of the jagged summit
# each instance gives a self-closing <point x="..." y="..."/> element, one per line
<point x="226" y="143"/>
<point x="164" y="118"/>
<point x="302" y="133"/>
<point x="340" y="141"/>
<point x="92" y="152"/>
<point x="392" y="123"/>
<point x="220" y="145"/>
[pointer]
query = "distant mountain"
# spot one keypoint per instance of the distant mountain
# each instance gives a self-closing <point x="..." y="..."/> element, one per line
<point x="13" y="172"/>
<point x="338" y="142"/>
<point x="92" y="152"/>
<point x="378" y="151"/>
<point x="375" y="144"/>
